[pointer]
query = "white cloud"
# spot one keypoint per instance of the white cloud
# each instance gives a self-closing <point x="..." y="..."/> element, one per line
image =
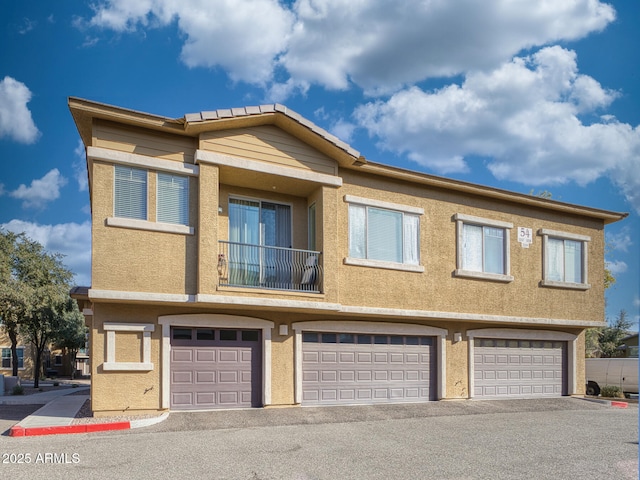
<point x="378" y="45"/>
<point x="381" y="45"/>
<point x="41" y="191"/>
<point x="244" y="38"/>
<point x="15" y="118"/>
<point x="616" y="267"/>
<point x="73" y="240"/>
<point x="620" y="241"/>
<point x="80" y="167"/>
<point x="524" y="117"/>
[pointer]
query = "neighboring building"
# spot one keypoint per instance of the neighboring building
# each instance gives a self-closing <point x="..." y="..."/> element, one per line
<point x="54" y="362"/>
<point x="246" y="257"/>
<point x="25" y="360"/>
<point x="630" y="346"/>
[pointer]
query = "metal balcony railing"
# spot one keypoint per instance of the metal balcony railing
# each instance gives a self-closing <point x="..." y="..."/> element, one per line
<point x="259" y="266"/>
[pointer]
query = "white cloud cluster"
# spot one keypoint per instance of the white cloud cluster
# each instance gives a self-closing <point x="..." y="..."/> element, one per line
<point x="72" y="240"/>
<point x="524" y="117"/>
<point x="15" y="117"/>
<point x="534" y="119"/>
<point x="41" y="191"/>
<point x="244" y="38"/>
<point x="378" y="45"/>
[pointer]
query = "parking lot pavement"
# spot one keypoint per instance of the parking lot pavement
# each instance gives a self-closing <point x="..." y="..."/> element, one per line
<point x="562" y="438"/>
<point x="216" y="420"/>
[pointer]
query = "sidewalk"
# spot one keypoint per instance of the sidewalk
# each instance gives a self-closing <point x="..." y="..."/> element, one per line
<point x="59" y="412"/>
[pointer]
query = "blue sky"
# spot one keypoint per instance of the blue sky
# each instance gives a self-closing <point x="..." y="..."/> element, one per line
<point x="526" y="96"/>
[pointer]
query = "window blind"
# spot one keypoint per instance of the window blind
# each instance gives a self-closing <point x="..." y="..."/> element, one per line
<point x="130" y="195"/>
<point x="173" y="199"/>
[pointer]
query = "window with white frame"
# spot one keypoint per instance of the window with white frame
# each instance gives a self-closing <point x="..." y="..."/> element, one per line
<point x="173" y="199"/>
<point x="383" y="234"/>
<point x="483" y="248"/>
<point x="7" y="358"/>
<point x="130" y="192"/>
<point x="565" y="259"/>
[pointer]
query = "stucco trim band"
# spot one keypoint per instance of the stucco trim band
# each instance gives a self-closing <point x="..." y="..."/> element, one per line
<point x="308" y="306"/>
<point x="214" y="321"/>
<point x="147" y="225"/>
<point x="271" y="169"/>
<point x="346" y="326"/>
<point x="135" y="159"/>
<point x="517" y="334"/>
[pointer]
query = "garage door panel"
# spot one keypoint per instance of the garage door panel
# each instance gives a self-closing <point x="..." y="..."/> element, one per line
<point x="182" y="377"/>
<point x="229" y="398"/>
<point x="348" y="376"/>
<point x="182" y="399"/>
<point x="531" y="368"/>
<point x="182" y="356"/>
<point x="205" y="356"/>
<point x="367" y="373"/>
<point x="311" y="357"/>
<point x="205" y="377"/>
<point x="228" y="377"/>
<point x="328" y="357"/>
<point x="205" y="399"/>
<point x="215" y="373"/>
<point x="230" y="356"/>
<point x="347" y="357"/>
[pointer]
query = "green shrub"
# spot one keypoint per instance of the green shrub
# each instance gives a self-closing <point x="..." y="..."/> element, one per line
<point x="611" y="391"/>
<point x="17" y="390"/>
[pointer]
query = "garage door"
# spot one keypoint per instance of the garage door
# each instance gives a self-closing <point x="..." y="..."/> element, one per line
<point x="342" y="369"/>
<point x="519" y="368"/>
<point x="215" y="368"/>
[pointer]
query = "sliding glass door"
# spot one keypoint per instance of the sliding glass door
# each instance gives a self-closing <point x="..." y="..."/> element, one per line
<point x="260" y="242"/>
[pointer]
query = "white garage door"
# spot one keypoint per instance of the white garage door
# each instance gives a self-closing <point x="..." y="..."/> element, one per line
<point x="215" y="368"/>
<point x="345" y="368"/>
<point x="519" y="368"/>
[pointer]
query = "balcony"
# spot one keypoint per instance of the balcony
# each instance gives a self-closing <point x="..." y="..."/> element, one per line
<point x="275" y="268"/>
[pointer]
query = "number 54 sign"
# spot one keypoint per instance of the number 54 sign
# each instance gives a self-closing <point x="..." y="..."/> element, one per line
<point x="525" y="236"/>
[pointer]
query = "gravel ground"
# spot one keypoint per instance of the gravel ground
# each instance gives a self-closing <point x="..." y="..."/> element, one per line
<point x="85" y="416"/>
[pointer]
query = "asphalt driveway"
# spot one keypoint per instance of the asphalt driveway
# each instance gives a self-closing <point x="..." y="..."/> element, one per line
<point x="562" y="438"/>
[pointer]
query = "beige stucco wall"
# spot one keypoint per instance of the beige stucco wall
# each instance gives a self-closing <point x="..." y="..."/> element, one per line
<point x="139" y="260"/>
<point x="139" y="392"/>
<point x="148" y="261"/>
<point x="437" y="289"/>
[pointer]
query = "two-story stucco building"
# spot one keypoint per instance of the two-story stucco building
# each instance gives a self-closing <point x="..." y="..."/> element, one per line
<point x="246" y="258"/>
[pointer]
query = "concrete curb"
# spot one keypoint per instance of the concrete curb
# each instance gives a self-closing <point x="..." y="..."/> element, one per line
<point x="610" y="403"/>
<point x="20" y="431"/>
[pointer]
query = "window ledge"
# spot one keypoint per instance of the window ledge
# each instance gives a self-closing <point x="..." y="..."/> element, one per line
<point x="151" y="226"/>
<point x="127" y="366"/>
<point x="361" y="262"/>
<point x="494" y="277"/>
<point x="567" y="285"/>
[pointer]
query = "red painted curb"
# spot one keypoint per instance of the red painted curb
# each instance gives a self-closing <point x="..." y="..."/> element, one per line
<point x="18" y="431"/>
<point x="619" y="404"/>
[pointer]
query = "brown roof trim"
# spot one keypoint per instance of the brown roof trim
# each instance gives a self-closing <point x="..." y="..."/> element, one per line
<point x="491" y="192"/>
<point x="193" y="124"/>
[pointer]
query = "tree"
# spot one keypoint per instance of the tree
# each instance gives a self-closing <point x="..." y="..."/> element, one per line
<point x="72" y="334"/>
<point x="47" y="281"/>
<point x="610" y="337"/>
<point x="14" y="293"/>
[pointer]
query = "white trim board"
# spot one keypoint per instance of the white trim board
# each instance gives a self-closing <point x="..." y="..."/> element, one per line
<point x="324" y="307"/>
